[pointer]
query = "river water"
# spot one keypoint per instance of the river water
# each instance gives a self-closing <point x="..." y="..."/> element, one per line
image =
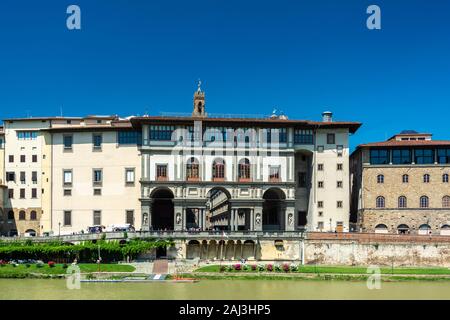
<point x="223" y="289"/>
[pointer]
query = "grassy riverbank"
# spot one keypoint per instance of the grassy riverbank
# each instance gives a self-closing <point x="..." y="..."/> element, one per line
<point x="24" y="271"/>
<point x="359" y="270"/>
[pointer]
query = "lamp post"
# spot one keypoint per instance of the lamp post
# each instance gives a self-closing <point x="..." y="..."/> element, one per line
<point x="59" y="229"/>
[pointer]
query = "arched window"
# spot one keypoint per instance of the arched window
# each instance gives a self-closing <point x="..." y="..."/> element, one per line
<point x="218" y="169"/>
<point x="10" y="215"/>
<point x="33" y="215"/>
<point x="380" y="202"/>
<point x="403" y="229"/>
<point x="446" y="202"/>
<point x="445" y="178"/>
<point x="380" y="178"/>
<point x="22" y="215"/>
<point x="192" y="169"/>
<point x="424" y="202"/>
<point x="244" y="169"/>
<point x="445" y="230"/>
<point x="402" y="202"/>
<point x="426" y="178"/>
<point x="424" y="229"/>
<point x="381" y="228"/>
<point x="405" y="178"/>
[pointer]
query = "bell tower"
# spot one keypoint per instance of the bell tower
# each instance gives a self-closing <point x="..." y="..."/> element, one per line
<point x="199" y="102"/>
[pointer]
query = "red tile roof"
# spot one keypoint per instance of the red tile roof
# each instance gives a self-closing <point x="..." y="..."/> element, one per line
<point x="407" y="143"/>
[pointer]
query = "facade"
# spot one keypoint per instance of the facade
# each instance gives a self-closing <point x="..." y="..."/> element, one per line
<point x="196" y="172"/>
<point x="401" y="185"/>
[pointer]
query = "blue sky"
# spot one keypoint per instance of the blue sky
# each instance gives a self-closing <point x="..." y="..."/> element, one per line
<point x="303" y="57"/>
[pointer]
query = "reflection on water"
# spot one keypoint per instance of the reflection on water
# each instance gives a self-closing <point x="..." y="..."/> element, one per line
<point x="223" y="289"/>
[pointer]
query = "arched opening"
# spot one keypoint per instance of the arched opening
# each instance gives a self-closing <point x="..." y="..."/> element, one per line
<point x="21" y="215"/>
<point x="424" y="229"/>
<point x="403" y="229"/>
<point x="33" y="215"/>
<point x="445" y="230"/>
<point x="192" y="169"/>
<point x="30" y="233"/>
<point x="244" y="173"/>
<point x="218" y="169"/>
<point x="273" y="211"/>
<point x="162" y="209"/>
<point x="381" y="228"/>
<point x="218" y="211"/>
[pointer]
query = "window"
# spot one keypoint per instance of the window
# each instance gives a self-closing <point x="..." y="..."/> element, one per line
<point x="424" y="202"/>
<point x="405" y="178"/>
<point x="319" y="204"/>
<point x="320" y="184"/>
<point x="22" y="158"/>
<point x="130" y="137"/>
<point x="339" y="204"/>
<point x="97" y="139"/>
<point x="67" y="177"/>
<point x="67" y="218"/>
<point x="426" y="178"/>
<point x="320" y="213"/>
<point x="27" y="135"/>
<point x="161" y="172"/>
<point x="301" y="183"/>
<point x="443" y="156"/>
<point x="379" y="156"/>
<point x="401" y="156"/>
<point x="339" y="166"/>
<point x="320" y="167"/>
<point x="161" y="132"/>
<point x="129" y="217"/>
<point x="303" y="136"/>
<point x="97" y="192"/>
<point x="218" y="169"/>
<point x="11" y="193"/>
<point x="10" y="176"/>
<point x="320" y="149"/>
<point x="33" y="215"/>
<point x="22" y="193"/>
<point x="34" y="158"/>
<point x="34" y="193"/>
<point x="402" y="202"/>
<point x="192" y="169"/>
<point x="1" y="143"/>
<point x="445" y="178"/>
<point x="331" y="138"/>
<point x="22" y="177"/>
<point x="10" y="215"/>
<point x="129" y="175"/>
<point x="340" y="184"/>
<point x="340" y="150"/>
<point x="446" y="202"/>
<point x="244" y="169"/>
<point x="380" y="202"/>
<point x="67" y="192"/>
<point x="380" y="178"/>
<point x="10" y="158"/>
<point x="282" y="135"/>
<point x="34" y="177"/>
<point x="97" y="176"/>
<point x="22" y="215"/>
<point x="68" y="141"/>
<point x="97" y="217"/>
<point x="320" y="225"/>
<point x="424" y="156"/>
<point x="274" y="173"/>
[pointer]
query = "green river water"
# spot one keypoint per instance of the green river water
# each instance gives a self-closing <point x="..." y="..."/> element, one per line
<point x="224" y="289"/>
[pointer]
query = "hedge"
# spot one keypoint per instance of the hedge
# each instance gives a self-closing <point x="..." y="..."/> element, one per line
<point x="85" y="252"/>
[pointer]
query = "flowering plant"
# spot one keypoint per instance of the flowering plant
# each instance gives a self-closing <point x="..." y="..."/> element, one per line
<point x="237" y="267"/>
<point x="294" y="267"/>
<point x="51" y="264"/>
<point x="253" y="267"/>
<point x="3" y="263"/>
<point x="261" y="267"/>
<point x="286" y="267"/>
<point x="269" y="267"/>
<point x="277" y="268"/>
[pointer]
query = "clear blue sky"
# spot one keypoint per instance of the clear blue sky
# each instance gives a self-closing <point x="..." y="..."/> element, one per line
<point x="303" y="57"/>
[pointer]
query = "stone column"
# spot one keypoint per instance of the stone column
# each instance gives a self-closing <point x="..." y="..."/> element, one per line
<point x="204" y="218"/>
<point x="252" y="219"/>
<point x="183" y="220"/>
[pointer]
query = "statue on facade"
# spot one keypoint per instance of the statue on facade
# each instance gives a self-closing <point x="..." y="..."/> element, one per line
<point x="145" y="219"/>
<point x="178" y="218"/>
<point x="258" y="219"/>
<point x="290" y="219"/>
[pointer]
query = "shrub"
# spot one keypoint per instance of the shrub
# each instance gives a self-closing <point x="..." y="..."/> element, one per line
<point x="3" y="263"/>
<point x="64" y="266"/>
<point x="237" y="267"/>
<point x="269" y="267"/>
<point x="246" y="267"/>
<point x="27" y="265"/>
<point x="229" y="268"/>
<point x="39" y="265"/>
<point x="277" y="268"/>
<point x="294" y="267"/>
<point x="261" y="267"/>
<point x="51" y="264"/>
<point x="222" y="268"/>
<point x="254" y="267"/>
<point x="286" y="267"/>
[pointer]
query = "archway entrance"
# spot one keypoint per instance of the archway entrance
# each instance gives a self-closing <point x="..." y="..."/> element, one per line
<point x="162" y="210"/>
<point x="273" y="213"/>
<point x="218" y="209"/>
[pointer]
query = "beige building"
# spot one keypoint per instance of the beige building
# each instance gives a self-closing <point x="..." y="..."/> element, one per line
<point x="3" y="217"/>
<point x="402" y="185"/>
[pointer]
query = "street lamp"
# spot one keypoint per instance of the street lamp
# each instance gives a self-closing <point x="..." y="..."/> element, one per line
<point x="59" y="229"/>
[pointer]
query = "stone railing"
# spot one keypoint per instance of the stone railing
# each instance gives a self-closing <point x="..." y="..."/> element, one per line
<point x="376" y="237"/>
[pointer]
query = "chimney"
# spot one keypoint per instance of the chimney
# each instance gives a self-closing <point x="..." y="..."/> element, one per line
<point x="327" y="116"/>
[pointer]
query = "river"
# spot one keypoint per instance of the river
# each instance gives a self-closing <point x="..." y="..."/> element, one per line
<point x="223" y="289"/>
